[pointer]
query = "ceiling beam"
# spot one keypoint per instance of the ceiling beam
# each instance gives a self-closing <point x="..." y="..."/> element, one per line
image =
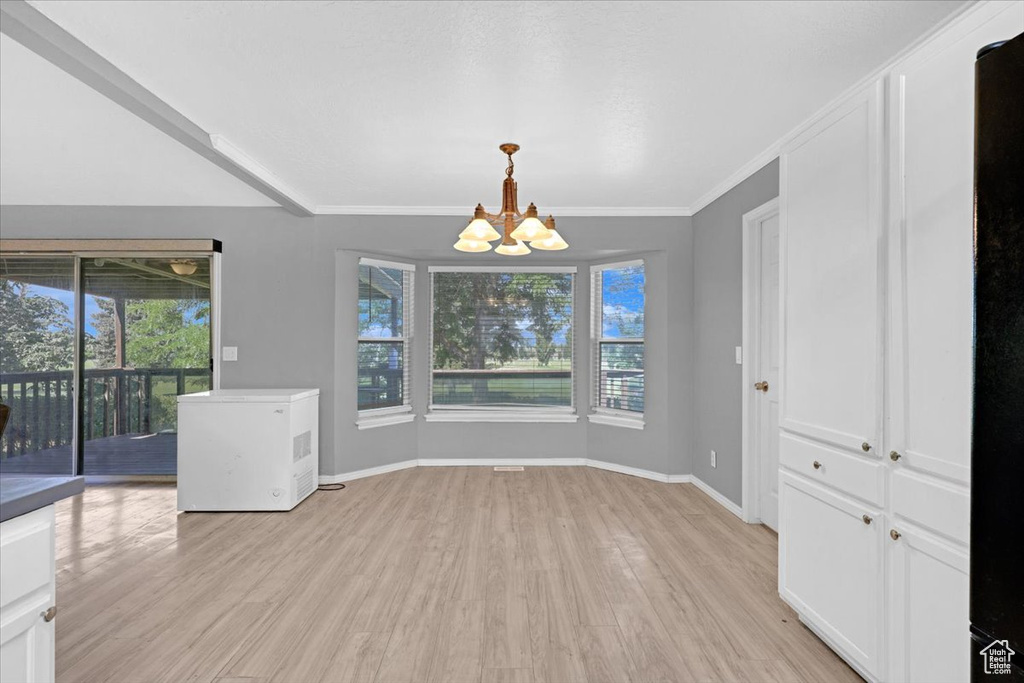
<point x="38" y="33"/>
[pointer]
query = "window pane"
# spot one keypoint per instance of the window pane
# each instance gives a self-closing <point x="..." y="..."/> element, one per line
<point x="622" y="298"/>
<point x="380" y="302"/>
<point x="621" y="383"/>
<point x="381" y="383"/>
<point x="502" y="339"/>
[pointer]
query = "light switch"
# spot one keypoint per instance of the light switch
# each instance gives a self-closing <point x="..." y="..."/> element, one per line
<point x="230" y="353"/>
<point x="714" y="459"/>
<point x="739" y="355"/>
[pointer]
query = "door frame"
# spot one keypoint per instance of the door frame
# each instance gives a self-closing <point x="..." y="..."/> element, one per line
<point x="750" y="355"/>
<point x="80" y="249"/>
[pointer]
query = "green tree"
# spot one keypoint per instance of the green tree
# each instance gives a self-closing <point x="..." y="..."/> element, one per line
<point x="159" y="333"/>
<point x="478" y="317"/>
<point x="36" y="331"/>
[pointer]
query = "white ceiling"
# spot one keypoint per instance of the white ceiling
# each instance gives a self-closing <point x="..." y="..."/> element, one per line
<point x="399" y="104"/>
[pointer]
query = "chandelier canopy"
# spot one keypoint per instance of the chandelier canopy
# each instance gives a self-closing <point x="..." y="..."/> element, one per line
<point x="517" y="228"/>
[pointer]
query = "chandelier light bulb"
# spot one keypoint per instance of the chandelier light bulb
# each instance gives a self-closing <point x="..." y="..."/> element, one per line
<point x="480" y="230"/>
<point x="531" y="228"/>
<point x="472" y="246"/>
<point x="553" y="243"/>
<point x="517" y="249"/>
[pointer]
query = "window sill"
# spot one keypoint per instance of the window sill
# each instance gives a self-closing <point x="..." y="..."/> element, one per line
<point x="498" y="416"/>
<point x="385" y="419"/>
<point x="617" y="420"/>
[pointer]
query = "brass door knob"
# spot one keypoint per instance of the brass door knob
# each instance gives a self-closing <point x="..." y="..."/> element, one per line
<point x="49" y="614"/>
<point x="816" y="465"/>
<point x="866" y="518"/>
<point x="761" y="386"/>
<point x="894" y="456"/>
<point x="894" y="535"/>
<point x="865" y="447"/>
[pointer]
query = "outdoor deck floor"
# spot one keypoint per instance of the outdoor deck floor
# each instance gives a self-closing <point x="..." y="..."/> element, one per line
<point x="110" y="455"/>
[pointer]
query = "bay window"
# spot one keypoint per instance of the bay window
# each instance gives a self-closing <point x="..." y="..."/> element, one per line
<point x="617" y="343"/>
<point x="384" y="342"/>
<point x="501" y="344"/>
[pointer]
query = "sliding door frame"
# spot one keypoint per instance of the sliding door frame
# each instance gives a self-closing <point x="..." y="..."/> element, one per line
<point x="79" y="250"/>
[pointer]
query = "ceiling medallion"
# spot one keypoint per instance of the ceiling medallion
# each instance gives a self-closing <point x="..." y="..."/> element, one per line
<point x="519" y="228"/>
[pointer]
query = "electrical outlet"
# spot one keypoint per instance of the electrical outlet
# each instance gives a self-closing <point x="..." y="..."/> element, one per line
<point x="230" y="353"/>
<point x="714" y="459"/>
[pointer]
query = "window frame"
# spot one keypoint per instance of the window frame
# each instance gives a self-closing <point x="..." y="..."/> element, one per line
<point x="368" y="418"/>
<point x="616" y="417"/>
<point x="471" y="413"/>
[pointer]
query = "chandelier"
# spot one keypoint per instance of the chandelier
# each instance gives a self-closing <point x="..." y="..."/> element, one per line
<point x="518" y="228"/>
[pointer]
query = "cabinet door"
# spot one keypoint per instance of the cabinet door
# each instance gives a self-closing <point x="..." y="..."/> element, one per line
<point x="929" y="609"/>
<point x="26" y="592"/>
<point x="831" y="217"/>
<point x="26" y="644"/>
<point x="830" y="568"/>
<point x="931" y="95"/>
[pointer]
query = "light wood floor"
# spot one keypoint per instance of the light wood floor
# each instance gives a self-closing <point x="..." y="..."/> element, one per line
<point x="429" y="574"/>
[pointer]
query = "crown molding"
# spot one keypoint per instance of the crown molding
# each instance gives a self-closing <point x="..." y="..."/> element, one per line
<point x="557" y="211"/>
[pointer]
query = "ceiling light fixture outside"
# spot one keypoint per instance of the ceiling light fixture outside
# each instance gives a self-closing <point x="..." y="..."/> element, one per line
<point x="184" y="266"/>
<point x="518" y="228"/>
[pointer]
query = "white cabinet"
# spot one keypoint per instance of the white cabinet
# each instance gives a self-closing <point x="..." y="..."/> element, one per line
<point x="877" y="349"/>
<point x="830" y="551"/>
<point x="831" y="223"/>
<point x="27" y="594"/>
<point x="928" y="611"/>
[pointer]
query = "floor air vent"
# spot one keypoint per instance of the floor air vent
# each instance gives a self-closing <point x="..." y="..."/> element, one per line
<point x="508" y="469"/>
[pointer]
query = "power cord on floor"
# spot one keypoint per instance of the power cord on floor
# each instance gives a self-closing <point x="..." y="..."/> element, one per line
<point x="330" y="487"/>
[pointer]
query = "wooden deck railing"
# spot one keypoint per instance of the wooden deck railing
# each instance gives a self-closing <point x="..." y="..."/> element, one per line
<point x="116" y="401"/>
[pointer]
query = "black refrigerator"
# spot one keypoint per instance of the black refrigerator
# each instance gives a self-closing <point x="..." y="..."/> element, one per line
<point x="997" y="448"/>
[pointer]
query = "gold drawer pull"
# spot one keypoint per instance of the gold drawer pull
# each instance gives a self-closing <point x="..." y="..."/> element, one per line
<point x="866" y="518"/>
<point x="49" y="614"/>
<point x="865" y="447"/>
<point x="817" y="465"/>
<point x="894" y="456"/>
<point x="894" y="535"/>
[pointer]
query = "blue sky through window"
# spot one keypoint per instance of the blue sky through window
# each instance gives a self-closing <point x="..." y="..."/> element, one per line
<point x="622" y="297"/>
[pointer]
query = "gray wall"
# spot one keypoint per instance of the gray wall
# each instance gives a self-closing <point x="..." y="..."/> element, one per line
<point x="718" y="328"/>
<point x="289" y="301"/>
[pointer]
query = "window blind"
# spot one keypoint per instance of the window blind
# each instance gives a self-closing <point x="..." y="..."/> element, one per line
<point x="501" y="339"/>
<point x="385" y="335"/>
<point x="617" y="336"/>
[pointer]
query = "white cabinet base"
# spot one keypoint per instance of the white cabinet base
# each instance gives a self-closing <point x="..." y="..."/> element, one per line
<point x="27" y="591"/>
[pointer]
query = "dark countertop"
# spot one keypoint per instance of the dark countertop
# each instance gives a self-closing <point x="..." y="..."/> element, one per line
<point x="21" y="494"/>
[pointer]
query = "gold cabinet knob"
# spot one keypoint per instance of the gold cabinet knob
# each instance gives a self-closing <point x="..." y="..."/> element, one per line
<point x="865" y="447"/>
<point x="816" y="465"/>
<point x="866" y="518"/>
<point x="49" y="614"/>
<point x="761" y="386"/>
<point x="894" y="535"/>
<point x="894" y="456"/>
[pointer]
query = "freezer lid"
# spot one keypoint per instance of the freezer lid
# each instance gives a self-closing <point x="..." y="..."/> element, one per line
<point x="248" y="396"/>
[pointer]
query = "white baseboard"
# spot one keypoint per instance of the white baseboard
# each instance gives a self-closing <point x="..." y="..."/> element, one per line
<point x="717" y="497"/>
<point x="502" y="462"/>
<point x="368" y="472"/>
<point x="632" y="471"/>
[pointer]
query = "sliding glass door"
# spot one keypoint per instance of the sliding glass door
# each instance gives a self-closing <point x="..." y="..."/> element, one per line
<point x="94" y="350"/>
<point x="37" y="350"/>
<point x="146" y="339"/>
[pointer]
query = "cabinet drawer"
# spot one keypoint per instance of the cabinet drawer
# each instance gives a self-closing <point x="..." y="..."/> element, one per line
<point x="830" y="568"/>
<point x="26" y="555"/>
<point x="859" y="476"/>
<point x="941" y="507"/>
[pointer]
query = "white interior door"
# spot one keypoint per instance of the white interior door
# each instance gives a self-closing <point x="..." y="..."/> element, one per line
<point x="768" y="371"/>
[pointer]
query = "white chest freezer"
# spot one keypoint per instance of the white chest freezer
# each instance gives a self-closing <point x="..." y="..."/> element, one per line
<point x="247" y="449"/>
